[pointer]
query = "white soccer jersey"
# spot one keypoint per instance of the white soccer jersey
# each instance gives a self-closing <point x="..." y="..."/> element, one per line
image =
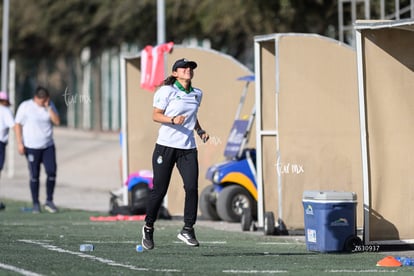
<point x="6" y="122"/>
<point x="36" y="123"/>
<point x="176" y="102"/>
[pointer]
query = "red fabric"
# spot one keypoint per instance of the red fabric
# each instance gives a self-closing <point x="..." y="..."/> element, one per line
<point x="146" y="67"/>
<point x="152" y="65"/>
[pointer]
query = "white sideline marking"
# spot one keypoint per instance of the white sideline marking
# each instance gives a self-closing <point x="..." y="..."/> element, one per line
<point x="254" y="271"/>
<point x="206" y="242"/>
<point x="19" y="270"/>
<point x="137" y="242"/>
<point x="214" y="242"/>
<point x="113" y="242"/>
<point x="102" y="260"/>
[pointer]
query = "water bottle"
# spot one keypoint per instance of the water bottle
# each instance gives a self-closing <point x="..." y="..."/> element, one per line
<point x="86" y="247"/>
<point x="26" y="209"/>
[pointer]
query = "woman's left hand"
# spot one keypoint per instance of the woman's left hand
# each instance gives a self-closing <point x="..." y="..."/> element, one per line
<point x="203" y="135"/>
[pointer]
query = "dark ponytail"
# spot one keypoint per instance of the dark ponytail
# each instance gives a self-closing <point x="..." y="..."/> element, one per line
<point x="170" y="80"/>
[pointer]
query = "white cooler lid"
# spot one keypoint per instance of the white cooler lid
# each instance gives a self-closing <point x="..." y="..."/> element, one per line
<point x="328" y="196"/>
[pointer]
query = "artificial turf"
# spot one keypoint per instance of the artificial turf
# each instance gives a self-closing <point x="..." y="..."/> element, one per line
<point x="48" y="244"/>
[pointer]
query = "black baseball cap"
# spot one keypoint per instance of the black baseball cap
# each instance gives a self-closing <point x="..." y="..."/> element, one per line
<point x="184" y="63"/>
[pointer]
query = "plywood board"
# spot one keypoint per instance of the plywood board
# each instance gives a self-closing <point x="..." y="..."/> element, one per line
<point x="388" y="68"/>
<point x="318" y="120"/>
<point x="315" y="97"/>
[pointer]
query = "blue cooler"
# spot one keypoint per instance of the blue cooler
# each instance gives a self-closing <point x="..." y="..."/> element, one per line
<point x="330" y="219"/>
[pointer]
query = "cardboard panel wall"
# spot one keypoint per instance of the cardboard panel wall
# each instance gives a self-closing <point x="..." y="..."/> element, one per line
<point x="387" y="87"/>
<point x="317" y="121"/>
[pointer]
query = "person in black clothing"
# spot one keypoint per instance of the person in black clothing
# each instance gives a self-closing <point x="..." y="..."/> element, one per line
<point x="176" y="105"/>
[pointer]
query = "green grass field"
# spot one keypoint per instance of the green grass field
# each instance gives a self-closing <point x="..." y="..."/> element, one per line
<point x="48" y="244"/>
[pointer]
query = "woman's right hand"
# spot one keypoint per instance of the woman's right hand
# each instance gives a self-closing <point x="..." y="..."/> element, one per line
<point x="20" y="148"/>
<point x="179" y="120"/>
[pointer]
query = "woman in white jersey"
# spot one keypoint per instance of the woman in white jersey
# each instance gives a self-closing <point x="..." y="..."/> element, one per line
<point x="176" y="105"/>
<point x="6" y="122"/>
<point x="34" y="134"/>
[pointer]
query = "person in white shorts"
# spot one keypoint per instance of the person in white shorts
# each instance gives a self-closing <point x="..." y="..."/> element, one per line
<point x="176" y="105"/>
<point x="35" y="119"/>
<point x="6" y="122"/>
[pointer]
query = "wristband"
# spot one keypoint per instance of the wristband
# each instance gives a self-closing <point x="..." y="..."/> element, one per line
<point x="201" y="132"/>
<point x="172" y="120"/>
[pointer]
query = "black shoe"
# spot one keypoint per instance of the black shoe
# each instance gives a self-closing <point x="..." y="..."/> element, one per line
<point x="187" y="235"/>
<point x="2" y="206"/>
<point x="36" y="208"/>
<point x="51" y="207"/>
<point x="147" y="237"/>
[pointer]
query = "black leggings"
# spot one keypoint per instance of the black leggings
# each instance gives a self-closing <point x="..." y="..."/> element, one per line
<point x="163" y="161"/>
<point x="2" y="154"/>
<point x="35" y="157"/>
